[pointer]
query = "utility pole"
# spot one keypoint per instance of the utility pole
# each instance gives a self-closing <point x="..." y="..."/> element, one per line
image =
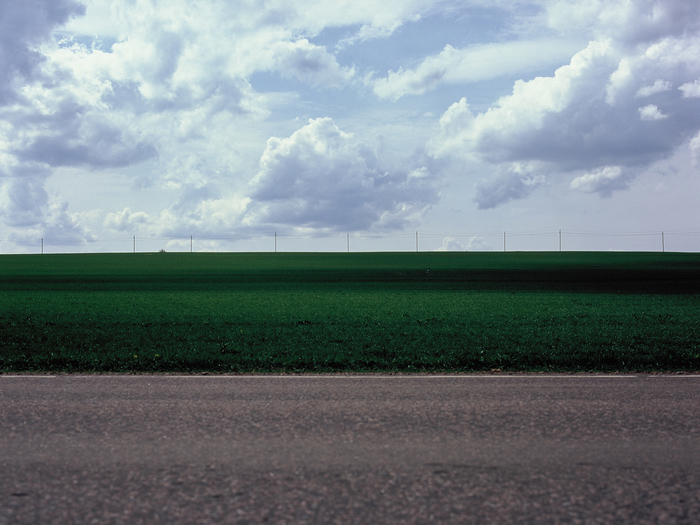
<point x="190" y="244"/>
<point x="275" y="242"/>
<point x="559" y="240"/>
<point x="663" y="245"/>
<point x="348" y="237"/>
<point x="504" y="241"/>
<point x="134" y="243"/>
<point x="416" y="241"/>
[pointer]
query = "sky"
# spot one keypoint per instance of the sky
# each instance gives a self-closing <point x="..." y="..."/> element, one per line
<point x="308" y="125"/>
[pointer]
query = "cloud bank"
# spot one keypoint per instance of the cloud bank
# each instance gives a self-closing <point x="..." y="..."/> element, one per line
<point x="321" y="178"/>
<point x="471" y="64"/>
<point x="585" y="122"/>
<point x="217" y="118"/>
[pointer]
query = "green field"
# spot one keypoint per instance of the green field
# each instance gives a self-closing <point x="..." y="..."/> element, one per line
<point x="344" y="312"/>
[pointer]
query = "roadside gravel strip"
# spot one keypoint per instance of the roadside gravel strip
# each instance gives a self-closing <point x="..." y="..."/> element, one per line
<point x="350" y="449"/>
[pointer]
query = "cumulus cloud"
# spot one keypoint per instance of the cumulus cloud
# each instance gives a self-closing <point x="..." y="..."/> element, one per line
<point x="370" y="32"/>
<point x="28" y="210"/>
<point x="651" y="112"/>
<point x="168" y="98"/>
<point x="603" y="181"/>
<point x="629" y="22"/>
<point x="186" y="170"/>
<point x="210" y="216"/>
<point x="23" y="28"/>
<point x="658" y="87"/>
<point x="318" y="179"/>
<point x="585" y="118"/>
<point x="519" y="125"/>
<point x="309" y="63"/>
<point x="125" y="220"/>
<point x="474" y="243"/>
<point x="82" y="142"/>
<point x="471" y="64"/>
<point x="321" y="177"/>
<point x="450" y="244"/>
<point x="26" y="84"/>
<point x="24" y="198"/>
<point x="691" y="89"/>
<point x="170" y="85"/>
<point x="512" y="182"/>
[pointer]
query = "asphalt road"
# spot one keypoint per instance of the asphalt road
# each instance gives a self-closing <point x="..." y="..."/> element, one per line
<point x="350" y="449"/>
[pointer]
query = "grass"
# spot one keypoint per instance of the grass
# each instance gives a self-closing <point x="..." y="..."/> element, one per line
<point x="380" y="312"/>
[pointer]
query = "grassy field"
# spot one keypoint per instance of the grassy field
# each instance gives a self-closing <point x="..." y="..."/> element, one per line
<point x="381" y="312"/>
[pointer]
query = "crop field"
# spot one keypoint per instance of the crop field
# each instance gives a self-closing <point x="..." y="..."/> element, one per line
<point x="350" y="312"/>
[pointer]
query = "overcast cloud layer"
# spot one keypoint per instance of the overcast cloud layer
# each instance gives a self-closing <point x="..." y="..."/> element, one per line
<point x="232" y="121"/>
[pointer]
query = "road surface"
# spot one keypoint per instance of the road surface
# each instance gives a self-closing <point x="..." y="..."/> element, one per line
<point x="350" y="449"/>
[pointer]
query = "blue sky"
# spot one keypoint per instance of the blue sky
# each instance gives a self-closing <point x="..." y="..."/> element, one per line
<point x="229" y="122"/>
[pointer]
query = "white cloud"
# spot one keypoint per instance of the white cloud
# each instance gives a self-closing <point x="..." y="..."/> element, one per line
<point x="371" y="32"/>
<point x="519" y="118"/>
<point x="510" y="182"/>
<point x="186" y="170"/>
<point x="629" y="22"/>
<point x="28" y="210"/>
<point x="602" y="181"/>
<point x="321" y="177"/>
<point x="691" y="89"/>
<point x="474" y="243"/>
<point x="450" y="244"/>
<point x="24" y="198"/>
<point x="125" y="220"/>
<point x="212" y="217"/>
<point x="658" y="87"/>
<point x="477" y="243"/>
<point x="318" y="179"/>
<point x="170" y="86"/>
<point x="23" y="27"/>
<point x="309" y="63"/>
<point x="651" y="112"/>
<point x="471" y="64"/>
<point x="97" y="20"/>
<point x="165" y="106"/>
<point x="585" y="117"/>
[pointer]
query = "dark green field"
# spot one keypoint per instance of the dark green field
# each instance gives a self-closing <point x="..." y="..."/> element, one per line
<point x="381" y="312"/>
